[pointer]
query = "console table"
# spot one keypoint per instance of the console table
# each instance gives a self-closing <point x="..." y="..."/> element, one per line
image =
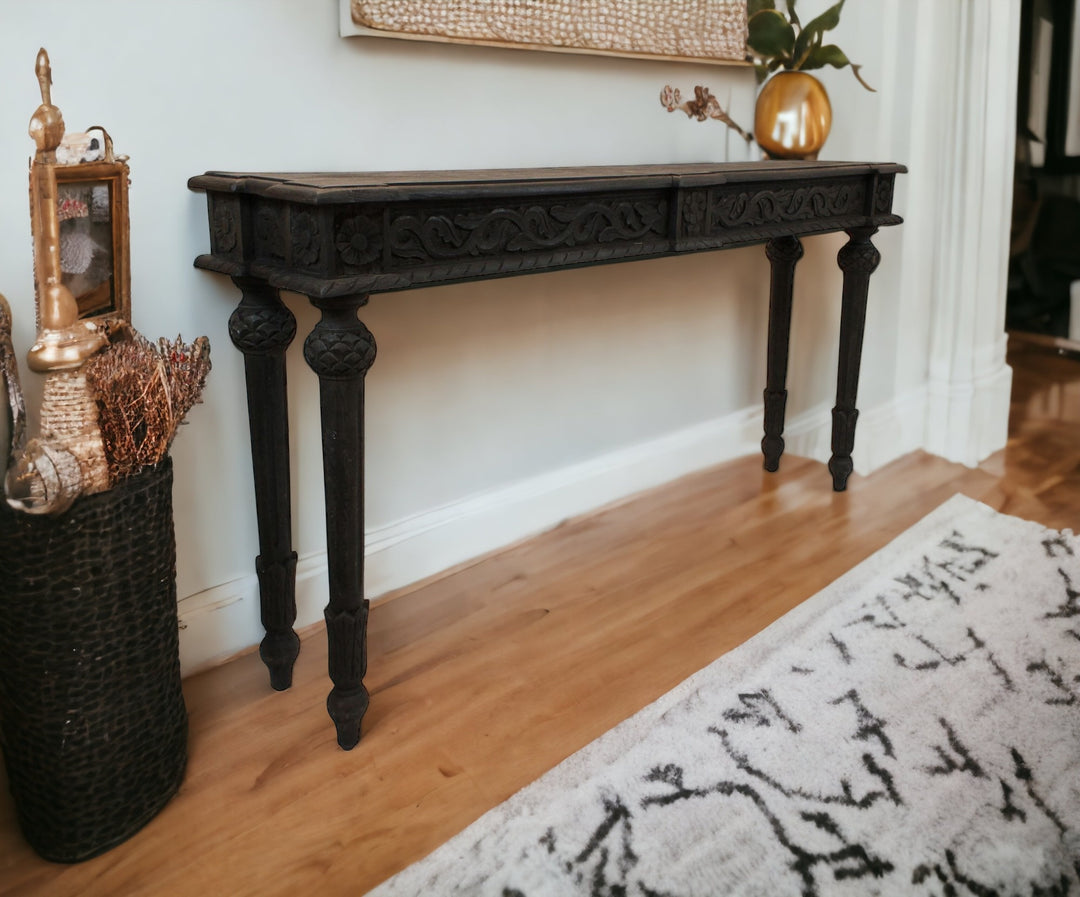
<point x="337" y="238"/>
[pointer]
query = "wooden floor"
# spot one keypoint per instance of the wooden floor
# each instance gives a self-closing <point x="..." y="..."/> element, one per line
<point x="484" y="679"/>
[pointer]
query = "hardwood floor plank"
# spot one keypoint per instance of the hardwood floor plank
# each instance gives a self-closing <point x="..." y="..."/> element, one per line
<point x="484" y="678"/>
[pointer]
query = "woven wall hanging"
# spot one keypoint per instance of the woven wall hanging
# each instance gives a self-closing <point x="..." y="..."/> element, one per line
<point x="712" y="30"/>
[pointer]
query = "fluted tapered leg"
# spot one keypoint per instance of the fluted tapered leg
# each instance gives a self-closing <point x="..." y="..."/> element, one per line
<point x="262" y="328"/>
<point x="340" y="349"/>
<point x="783" y="254"/>
<point x="857" y="259"/>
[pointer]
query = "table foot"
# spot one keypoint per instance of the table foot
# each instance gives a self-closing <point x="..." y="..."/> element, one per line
<point x="843" y="441"/>
<point x="346" y="632"/>
<point x="281" y="645"/>
<point x="279" y="651"/>
<point x="347" y="708"/>
<point x="772" y="444"/>
<point x="841" y="469"/>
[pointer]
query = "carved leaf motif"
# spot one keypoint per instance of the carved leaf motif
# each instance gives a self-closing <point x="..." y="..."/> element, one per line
<point x="268" y="236"/>
<point x="346" y="629"/>
<point x="527" y="229"/>
<point x="305" y="238"/>
<point x="224" y="228"/>
<point x="883" y="196"/>
<point x="695" y="209"/>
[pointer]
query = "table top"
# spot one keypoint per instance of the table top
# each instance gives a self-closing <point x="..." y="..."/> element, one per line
<point x="358" y="186"/>
<point x="329" y="234"/>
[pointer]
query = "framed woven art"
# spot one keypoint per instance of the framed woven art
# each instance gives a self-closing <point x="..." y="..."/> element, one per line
<point x="711" y="31"/>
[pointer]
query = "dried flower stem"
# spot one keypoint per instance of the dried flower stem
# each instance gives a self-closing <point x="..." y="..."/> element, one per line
<point x="703" y="106"/>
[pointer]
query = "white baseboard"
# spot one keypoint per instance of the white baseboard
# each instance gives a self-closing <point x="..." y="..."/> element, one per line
<point x="224" y="620"/>
<point x="968" y="421"/>
<point x="883" y="433"/>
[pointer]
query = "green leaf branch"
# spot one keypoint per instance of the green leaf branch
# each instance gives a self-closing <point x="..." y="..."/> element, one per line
<point x="778" y="41"/>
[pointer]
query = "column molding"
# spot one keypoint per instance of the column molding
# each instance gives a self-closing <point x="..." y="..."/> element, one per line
<point x="969" y="168"/>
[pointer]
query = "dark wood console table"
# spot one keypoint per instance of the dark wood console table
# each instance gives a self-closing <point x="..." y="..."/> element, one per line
<point x="337" y="238"/>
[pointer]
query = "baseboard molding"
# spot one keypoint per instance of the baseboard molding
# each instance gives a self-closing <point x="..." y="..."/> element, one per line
<point x="224" y="620"/>
<point x="883" y="434"/>
<point x="968" y="421"/>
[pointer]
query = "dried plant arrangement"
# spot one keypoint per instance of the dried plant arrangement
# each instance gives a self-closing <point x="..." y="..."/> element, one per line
<point x="112" y="400"/>
<point x="92" y="716"/>
<point x="703" y="106"/>
<point x="792" y="113"/>
<point x="143" y="390"/>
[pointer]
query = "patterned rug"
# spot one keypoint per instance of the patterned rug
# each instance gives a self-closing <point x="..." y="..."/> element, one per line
<point x="913" y="729"/>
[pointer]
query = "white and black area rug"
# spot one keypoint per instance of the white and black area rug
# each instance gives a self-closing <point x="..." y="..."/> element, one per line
<point x="914" y="729"/>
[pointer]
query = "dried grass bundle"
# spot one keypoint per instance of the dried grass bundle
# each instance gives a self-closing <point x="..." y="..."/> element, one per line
<point x="143" y="391"/>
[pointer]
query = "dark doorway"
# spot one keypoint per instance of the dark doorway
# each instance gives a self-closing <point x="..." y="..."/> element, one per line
<point x="1044" y="257"/>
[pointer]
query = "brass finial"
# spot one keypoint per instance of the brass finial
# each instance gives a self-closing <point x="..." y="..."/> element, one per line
<point x="44" y="76"/>
<point x="47" y="123"/>
<point x="63" y="341"/>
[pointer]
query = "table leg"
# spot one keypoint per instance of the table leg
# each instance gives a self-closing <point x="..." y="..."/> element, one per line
<point x="340" y="349"/>
<point x="783" y="253"/>
<point x="857" y="259"/>
<point x="262" y="328"/>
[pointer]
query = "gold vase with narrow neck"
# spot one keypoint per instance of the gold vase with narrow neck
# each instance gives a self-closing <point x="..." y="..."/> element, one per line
<point x="792" y="116"/>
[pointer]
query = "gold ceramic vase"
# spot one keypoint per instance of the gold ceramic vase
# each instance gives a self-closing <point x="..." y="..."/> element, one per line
<point x="792" y="116"/>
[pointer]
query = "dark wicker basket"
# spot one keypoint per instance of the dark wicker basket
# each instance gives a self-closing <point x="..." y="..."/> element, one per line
<point x="92" y="720"/>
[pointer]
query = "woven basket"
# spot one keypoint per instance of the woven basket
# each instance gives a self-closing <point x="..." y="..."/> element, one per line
<point x="92" y="720"/>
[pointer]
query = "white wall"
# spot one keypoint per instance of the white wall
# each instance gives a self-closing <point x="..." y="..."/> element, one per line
<point x="494" y="409"/>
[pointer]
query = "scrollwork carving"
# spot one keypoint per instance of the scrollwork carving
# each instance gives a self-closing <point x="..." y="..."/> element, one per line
<point x="750" y="208"/>
<point x="437" y="237"/>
